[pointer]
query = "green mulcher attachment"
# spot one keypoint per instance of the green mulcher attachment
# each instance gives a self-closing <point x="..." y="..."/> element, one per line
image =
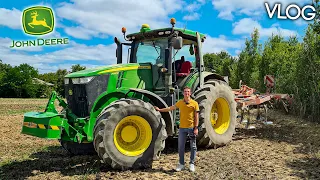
<point x="50" y="124"/>
<point x="43" y="124"/>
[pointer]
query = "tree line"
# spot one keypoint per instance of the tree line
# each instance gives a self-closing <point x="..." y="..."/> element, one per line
<point x="295" y="65"/>
<point x="21" y="81"/>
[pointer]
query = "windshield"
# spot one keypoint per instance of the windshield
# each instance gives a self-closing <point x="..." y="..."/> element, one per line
<point x="184" y="51"/>
<point x="151" y="51"/>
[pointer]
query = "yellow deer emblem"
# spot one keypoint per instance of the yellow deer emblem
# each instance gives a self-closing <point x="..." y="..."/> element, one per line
<point x="36" y="22"/>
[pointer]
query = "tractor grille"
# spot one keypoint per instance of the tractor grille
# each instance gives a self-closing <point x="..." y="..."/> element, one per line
<point x="81" y="97"/>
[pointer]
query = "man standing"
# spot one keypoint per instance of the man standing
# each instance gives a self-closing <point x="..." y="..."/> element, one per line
<point x="189" y="120"/>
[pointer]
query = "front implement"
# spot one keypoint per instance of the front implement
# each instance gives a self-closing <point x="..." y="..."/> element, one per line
<point x="50" y="124"/>
<point x="43" y="125"/>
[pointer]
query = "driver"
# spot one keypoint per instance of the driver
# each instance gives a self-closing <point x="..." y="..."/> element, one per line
<point x="178" y="64"/>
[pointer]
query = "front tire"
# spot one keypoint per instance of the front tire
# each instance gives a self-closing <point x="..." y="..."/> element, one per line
<point x="129" y="134"/>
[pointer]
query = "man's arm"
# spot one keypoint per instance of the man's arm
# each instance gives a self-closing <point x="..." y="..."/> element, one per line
<point x="196" y="115"/>
<point x="196" y="123"/>
<point x="171" y="108"/>
<point x="196" y="118"/>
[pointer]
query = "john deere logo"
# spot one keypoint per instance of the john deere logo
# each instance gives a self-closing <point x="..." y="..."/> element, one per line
<point x="38" y="20"/>
<point x="70" y="92"/>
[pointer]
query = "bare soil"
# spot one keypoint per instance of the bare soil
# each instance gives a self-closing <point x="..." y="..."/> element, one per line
<point x="287" y="149"/>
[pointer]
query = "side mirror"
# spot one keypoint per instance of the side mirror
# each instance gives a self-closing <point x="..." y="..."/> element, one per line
<point x="116" y="40"/>
<point x="191" y="50"/>
<point x="118" y="50"/>
<point x="177" y="42"/>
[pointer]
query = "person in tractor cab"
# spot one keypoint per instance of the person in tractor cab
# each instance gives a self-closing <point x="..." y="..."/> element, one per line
<point x="189" y="120"/>
<point x="178" y="64"/>
<point x="183" y="67"/>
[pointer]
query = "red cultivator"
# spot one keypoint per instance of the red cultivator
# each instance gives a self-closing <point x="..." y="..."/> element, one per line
<point x="248" y="100"/>
<point x="282" y="101"/>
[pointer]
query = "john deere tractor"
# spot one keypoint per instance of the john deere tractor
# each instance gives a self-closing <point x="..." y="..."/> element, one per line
<point x="110" y="110"/>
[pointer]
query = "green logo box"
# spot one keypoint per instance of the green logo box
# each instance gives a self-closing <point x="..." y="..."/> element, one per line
<point x="38" y="20"/>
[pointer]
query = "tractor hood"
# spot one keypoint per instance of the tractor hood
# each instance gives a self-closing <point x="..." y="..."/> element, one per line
<point x="108" y="69"/>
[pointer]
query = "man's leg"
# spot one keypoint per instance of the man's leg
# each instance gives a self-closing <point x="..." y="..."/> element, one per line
<point x="181" y="144"/>
<point x="193" y="146"/>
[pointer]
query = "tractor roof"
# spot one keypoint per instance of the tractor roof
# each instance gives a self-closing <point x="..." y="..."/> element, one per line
<point x="146" y="32"/>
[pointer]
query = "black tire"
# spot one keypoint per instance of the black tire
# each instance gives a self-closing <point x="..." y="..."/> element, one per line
<point x="206" y="97"/>
<point x="106" y="124"/>
<point x="75" y="148"/>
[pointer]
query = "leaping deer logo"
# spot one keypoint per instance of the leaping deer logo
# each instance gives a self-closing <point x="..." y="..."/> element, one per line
<point x="36" y="22"/>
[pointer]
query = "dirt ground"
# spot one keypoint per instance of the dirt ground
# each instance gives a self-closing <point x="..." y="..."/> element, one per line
<point x="287" y="149"/>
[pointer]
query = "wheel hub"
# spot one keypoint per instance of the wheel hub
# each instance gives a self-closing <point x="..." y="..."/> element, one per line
<point x="220" y="116"/>
<point x="214" y="118"/>
<point x="132" y="135"/>
<point x="129" y="133"/>
<point x="214" y="115"/>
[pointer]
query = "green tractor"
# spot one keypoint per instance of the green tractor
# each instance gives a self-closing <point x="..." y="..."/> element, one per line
<point x="110" y="110"/>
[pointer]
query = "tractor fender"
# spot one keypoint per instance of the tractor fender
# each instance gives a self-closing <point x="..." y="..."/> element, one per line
<point x="101" y="102"/>
<point x="206" y="76"/>
<point x="159" y="102"/>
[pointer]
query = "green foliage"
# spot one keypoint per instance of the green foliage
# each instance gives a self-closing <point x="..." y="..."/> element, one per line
<point x="307" y="92"/>
<point x="294" y="64"/>
<point x="221" y="63"/>
<point x="77" y="67"/>
<point x="50" y="77"/>
<point x="61" y="73"/>
<point x="249" y="60"/>
<point x="19" y="82"/>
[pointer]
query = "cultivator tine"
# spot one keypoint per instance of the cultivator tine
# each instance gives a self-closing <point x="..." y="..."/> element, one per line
<point x="266" y="112"/>
<point x="241" y="116"/>
<point x="258" y="113"/>
<point x="285" y="106"/>
<point x="249" y="117"/>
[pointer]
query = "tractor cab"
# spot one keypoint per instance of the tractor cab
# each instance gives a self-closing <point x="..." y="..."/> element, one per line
<point x="171" y="52"/>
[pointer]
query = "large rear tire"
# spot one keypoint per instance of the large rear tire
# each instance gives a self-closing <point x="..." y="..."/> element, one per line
<point x="129" y="134"/>
<point x="217" y="116"/>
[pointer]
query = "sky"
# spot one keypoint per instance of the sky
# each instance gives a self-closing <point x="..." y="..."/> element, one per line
<point x="91" y="25"/>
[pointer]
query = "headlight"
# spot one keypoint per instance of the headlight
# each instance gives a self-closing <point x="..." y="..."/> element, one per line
<point x="83" y="80"/>
<point x="66" y="81"/>
<point x="75" y="80"/>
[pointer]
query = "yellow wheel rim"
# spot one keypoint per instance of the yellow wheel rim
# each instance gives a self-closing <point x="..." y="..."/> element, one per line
<point x="132" y="136"/>
<point x="220" y="116"/>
